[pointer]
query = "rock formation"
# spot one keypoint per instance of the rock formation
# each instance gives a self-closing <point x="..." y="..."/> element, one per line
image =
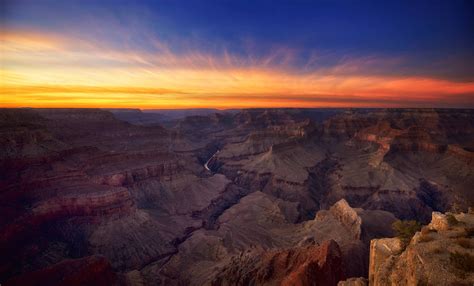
<point x="309" y="265"/>
<point x="441" y="254"/>
<point x="132" y="188"/>
<point x="348" y="217"/>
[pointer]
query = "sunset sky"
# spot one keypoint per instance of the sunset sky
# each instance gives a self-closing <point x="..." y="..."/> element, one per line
<point x="234" y="54"/>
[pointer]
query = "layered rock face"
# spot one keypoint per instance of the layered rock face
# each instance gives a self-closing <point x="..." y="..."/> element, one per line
<point x="264" y="196"/>
<point x="309" y="265"/>
<point x="255" y="237"/>
<point x="441" y="254"/>
<point x="74" y="183"/>
<point x="348" y="217"/>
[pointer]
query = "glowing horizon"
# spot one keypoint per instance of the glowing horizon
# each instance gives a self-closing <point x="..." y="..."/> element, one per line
<point x="42" y="68"/>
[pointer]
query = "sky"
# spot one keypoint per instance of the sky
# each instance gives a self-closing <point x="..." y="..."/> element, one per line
<point x="236" y="54"/>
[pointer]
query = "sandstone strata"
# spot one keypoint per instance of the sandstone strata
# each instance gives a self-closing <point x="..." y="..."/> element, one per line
<point x="441" y="254"/>
<point x="310" y="265"/>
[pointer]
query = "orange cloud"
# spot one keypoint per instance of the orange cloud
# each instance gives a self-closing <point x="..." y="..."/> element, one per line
<point x="41" y="70"/>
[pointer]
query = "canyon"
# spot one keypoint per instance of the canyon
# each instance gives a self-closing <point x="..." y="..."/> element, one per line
<point x="239" y="197"/>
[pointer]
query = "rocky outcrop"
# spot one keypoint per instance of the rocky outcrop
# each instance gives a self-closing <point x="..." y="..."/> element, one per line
<point x="348" y="217"/>
<point x="357" y="228"/>
<point x="439" y="222"/>
<point x="310" y="265"/>
<point x="381" y="250"/>
<point x="441" y="254"/>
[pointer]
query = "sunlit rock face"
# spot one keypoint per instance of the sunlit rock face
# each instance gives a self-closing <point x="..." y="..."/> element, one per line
<point x="442" y="253"/>
<point x="308" y="265"/>
<point x="230" y="198"/>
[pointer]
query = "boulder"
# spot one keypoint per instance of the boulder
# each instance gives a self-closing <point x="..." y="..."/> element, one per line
<point x="348" y="217"/>
<point x="439" y="221"/>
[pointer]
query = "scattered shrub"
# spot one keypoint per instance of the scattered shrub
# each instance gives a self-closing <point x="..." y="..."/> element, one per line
<point x="456" y="208"/>
<point x="464" y="242"/>
<point x="452" y="219"/>
<point x="463" y="262"/>
<point x="406" y="229"/>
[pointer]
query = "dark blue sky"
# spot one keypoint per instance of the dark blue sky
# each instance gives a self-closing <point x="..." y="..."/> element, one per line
<point x="434" y="37"/>
<point x="231" y="54"/>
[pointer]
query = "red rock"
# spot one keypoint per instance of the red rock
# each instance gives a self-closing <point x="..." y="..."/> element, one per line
<point x="309" y="265"/>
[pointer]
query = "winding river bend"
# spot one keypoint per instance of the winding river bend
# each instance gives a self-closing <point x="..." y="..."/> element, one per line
<point x="207" y="162"/>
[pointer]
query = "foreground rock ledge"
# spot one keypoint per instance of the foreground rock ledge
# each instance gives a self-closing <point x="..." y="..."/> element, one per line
<point x="441" y="254"/>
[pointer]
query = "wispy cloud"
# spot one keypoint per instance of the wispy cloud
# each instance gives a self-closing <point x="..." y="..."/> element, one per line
<point x="44" y="69"/>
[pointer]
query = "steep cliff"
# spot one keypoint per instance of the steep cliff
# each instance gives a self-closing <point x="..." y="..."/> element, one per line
<point x="442" y="253"/>
<point x="310" y="265"/>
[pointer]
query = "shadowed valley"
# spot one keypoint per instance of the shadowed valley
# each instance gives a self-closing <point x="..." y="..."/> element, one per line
<point x="237" y="197"/>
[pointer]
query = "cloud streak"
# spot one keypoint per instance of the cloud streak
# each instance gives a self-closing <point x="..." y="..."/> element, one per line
<point x="43" y="69"/>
